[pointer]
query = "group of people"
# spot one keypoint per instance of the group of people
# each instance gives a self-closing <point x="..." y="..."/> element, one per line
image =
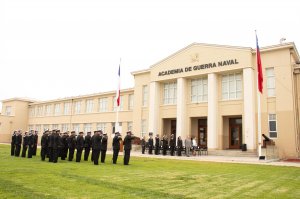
<point x="172" y="145"/>
<point x="29" y="141"/>
<point x="55" y="144"/>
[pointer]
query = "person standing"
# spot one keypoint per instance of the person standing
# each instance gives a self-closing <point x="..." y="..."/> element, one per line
<point x="87" y="145"/>
<point x="92" y="141"/>
<point x="150" y="144"/>
<point x="103" y="147"/>
<point x="188" y="145"/>
<point x="116" y="146"/>
<point x="64" y="149"/>
<point x="172" y="144"/>
<point x="50" y="145"/>
<point x="44" y="145"/>
<point x="165" y="144"/>
<point x="96" y="145"/>
<point x="179" y="145"/>
<point x="72" y="145"/>
<point x="13" y="143"/>
<point x="127" y="146"/>
<point x="30" y="144"/>
<point x="25" y="145"/>
<point x="157" y="144"/>
<point x="55" y="142"/>
<point x="18" y="143"/>
<point x="35" y="142"/>
<point x="79" y="146"/>
<point x="143" y="144"/>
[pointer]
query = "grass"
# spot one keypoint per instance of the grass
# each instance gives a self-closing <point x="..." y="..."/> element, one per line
<point x="144" y="178"/>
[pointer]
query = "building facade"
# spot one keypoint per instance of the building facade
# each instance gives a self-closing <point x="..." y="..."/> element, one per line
<point x="204" y="91"/>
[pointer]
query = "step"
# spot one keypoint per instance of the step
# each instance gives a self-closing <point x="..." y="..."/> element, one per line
<point x="232" y="153"/>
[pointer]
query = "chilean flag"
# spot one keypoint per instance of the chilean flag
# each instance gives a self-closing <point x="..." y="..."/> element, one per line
<point x="118" y="90"/>
<point x="259" y="68"/>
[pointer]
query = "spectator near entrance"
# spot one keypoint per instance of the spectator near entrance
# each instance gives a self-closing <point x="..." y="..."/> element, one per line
<point x="194" y="145"/>
<point x="188" y="145"/>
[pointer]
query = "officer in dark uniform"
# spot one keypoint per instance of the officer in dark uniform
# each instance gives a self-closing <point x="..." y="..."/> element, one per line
<point x="116" y="146"/>
<point x="25" y="145"/>
<point x="157" y="144"/>
<point x="87" y="145"/>
<point x="35" y="142"/>
<point x="60" y="146"/>
<point x="165" y="144"/>
<point x="55" y="141"/>
<point x="172" y="144"/>
<point x="18" y="143"/>
<point x="13" y="143"/>
<point x="50" y="145"/>
<point x="96" y="147"/>
<point x="79" y="146"/>
<point x="150" y="143"/>
<point x="92" y="141"/>
<point x="30" y="144"/>
<point x="64" y="142"/>
<point x="103" y="147"/>
<point x="179" y="145"/>
<point x="44" y="145"/>
<point x="143" y="144"/>
<point x="127" y="146"/>
<point x="72" y="145"/>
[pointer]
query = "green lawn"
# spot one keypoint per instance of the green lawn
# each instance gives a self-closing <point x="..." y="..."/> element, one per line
<point x="144" y="178"/>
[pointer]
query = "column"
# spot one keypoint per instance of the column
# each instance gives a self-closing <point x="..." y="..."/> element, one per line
<point x="249" y="109"/>
<point x="154" y="94"/>
<point x="212" y="111"/>
<point x="181" y="108"/>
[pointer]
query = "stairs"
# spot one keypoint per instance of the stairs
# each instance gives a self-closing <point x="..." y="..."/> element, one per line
<point x="232" y="153"/>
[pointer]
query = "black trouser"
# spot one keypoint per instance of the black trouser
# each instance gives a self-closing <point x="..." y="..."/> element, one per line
<point x="55" y="155"/>
<point x="65" y="152"/>
<point x="164" y="151"/>
<point x="34" y="149"/>
<point x="71" y="153"/>
<point x="86" y="153"/>
<point x="103" y="154"/>
<point x="18" y="150"/>
<point x="156" y="150"/>
<point x="172" y="150"/>
<point x="115" y="155"/>
<point x="179" y="151"/>
<point x="78" y="154"/>
<point x="150" y="149"/>
<point x="96" y="156"/>
<point x="126" y="156"/>
<point x="43" y="153"/>
<point x="30" y="151"/>
<point x="12" y="150"/>
<point x="50" y="152"/>
<point x="92" y="157"/>
<point x="24" y="149"/>
<point x="143" y="149"/>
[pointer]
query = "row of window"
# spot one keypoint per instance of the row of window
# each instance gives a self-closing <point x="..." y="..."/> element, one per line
<point x="89" y="107"/>
<point x="87" y="127"/>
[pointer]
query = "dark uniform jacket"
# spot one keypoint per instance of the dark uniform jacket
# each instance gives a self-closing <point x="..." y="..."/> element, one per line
<point x="179" y="143"/>
<point x="72" y="142"/>
<point x="80" y="143"/>
<point x="44" y="141"/>
<point x="25" y="140"/>
<point x="87" y="141"/>
<point x="157" y="141"/>
<point x="150" y="142"/>
<point x="116" y="142"/>
<point x="55" y="141"/>
<point x="143" y="142"/>
<point x="13" y="139"/>
<point x="96" y="145"/>
<point x="18" y="140"/>
<point x="104" y="143"/>
<point x="172" y="142"/>
<point x="127" y="142"/>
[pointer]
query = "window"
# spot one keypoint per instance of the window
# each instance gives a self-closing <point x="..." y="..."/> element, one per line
<point x="8" y="110"/>
<point x="57" y="109"/>
<point x="130" y="102"/>
<point x="143" y="128"/>
<point x="115" y="104"/>
<point x="64" y="127"/>
<point x="272" y="126"/>
<point x="39" y="110"/>
<point x="101" y="126"/>
<point x="67" y="107"/>
<point x="55" y="126"/>
<point x="199" y="90"/>
<point x="89" y="106"/>
<point x="232" y="86"/>
<point x="76" y="128"/>
<point x="145" y="95"/>
<point x="48" y="110"/>
<point x="270" y="82"/>
<point x="129" y="126"/>
<point x="170" y="93"/>
<point x="77" y="107"/>
<point x="45" y="126"/>
<point x="103" y="107"/>
<point x="87" y="128"/>
<point x="32" y="112"/>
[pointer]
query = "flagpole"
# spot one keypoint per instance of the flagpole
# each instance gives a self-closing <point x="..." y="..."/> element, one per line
<point x="118" y="96"/>
<point x="259" y="123"/>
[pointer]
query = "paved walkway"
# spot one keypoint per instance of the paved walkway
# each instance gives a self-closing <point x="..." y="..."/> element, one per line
<point x="213" y="158"/>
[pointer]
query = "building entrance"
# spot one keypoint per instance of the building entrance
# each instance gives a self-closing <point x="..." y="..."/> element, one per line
<point x="235" y="133"/>
<point x="169" y="127"/>
<point x="202" y="133"/>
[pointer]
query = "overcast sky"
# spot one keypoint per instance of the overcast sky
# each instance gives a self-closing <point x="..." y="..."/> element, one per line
<point x="58" y="48"/>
